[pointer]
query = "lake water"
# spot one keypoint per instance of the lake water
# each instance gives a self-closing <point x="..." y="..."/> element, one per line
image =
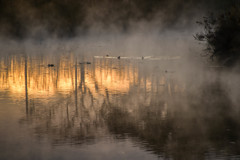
<point x="127" y="108"/>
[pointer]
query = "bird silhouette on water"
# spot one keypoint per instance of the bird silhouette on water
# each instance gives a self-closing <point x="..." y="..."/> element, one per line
<point x="50" y="65"/>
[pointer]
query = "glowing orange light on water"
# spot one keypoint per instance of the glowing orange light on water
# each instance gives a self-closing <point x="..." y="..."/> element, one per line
<point x="43" y="81"/>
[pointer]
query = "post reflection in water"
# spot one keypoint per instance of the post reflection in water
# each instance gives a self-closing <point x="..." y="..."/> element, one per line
<point x="78" y="104"/>
<point x="26" y="86"/>
<point x="76" y="87"/>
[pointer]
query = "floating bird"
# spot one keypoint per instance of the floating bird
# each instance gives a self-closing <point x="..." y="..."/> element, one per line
<point x="50" y="65"/>
<point x="118" y="57"/>
<point x="107" y="55"/>
<point x="85" y="63"/>
<point x="142" y="57"/>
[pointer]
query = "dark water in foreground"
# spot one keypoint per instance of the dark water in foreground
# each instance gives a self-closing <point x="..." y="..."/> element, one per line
<point x="116" y="109"/>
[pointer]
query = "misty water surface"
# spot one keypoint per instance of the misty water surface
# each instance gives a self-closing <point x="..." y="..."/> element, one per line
<point x="128" y="108"/>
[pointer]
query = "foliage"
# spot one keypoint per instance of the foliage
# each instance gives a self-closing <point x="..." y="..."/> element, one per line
<point x="222" y="36"/>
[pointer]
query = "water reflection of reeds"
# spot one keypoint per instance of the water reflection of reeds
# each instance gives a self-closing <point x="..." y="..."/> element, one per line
<point x="124" y="99"/>
<point x="102" y="75"/>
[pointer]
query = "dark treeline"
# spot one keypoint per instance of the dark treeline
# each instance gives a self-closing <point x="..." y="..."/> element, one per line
<point x="220" y="32"/>
<point x="68" y="18"/>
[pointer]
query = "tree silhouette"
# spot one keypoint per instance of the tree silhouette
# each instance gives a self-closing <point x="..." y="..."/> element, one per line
<point x="222" y="36"/>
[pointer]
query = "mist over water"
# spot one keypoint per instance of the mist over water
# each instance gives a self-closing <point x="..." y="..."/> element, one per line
<point x="114" y="109"/>
<point x="113" y="80"/>
<point x="120" y="28"/>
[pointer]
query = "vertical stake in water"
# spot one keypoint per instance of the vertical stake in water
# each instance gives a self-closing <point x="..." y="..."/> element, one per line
<point x="26" y="83"/>
<point x="83" y="78"/>
<point x="76" y="87"/>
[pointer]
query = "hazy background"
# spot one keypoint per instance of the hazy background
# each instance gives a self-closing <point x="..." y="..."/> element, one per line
<point x="210" y="97"/>
<point x="69" y="18"/>
<point x="93" y="27"/>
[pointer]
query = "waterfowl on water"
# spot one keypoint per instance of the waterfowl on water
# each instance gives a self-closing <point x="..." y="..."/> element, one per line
<point x="50" y="65"/>
<point x="118" y="57"/>
<point x="85" y="63"/>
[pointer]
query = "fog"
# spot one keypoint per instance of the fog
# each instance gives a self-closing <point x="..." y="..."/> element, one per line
<point x="122" y="71"/>
<point x="135" y="28"/>
<point x="124" y="28"/>
<point x="40" y="19"/>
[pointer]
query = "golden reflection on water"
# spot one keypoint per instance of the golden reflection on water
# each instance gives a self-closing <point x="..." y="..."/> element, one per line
<point x="120" y="98"/>
<point x="116" y="78"/>
<point x="41" y="80"/>
<point x="67" y="74"/>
